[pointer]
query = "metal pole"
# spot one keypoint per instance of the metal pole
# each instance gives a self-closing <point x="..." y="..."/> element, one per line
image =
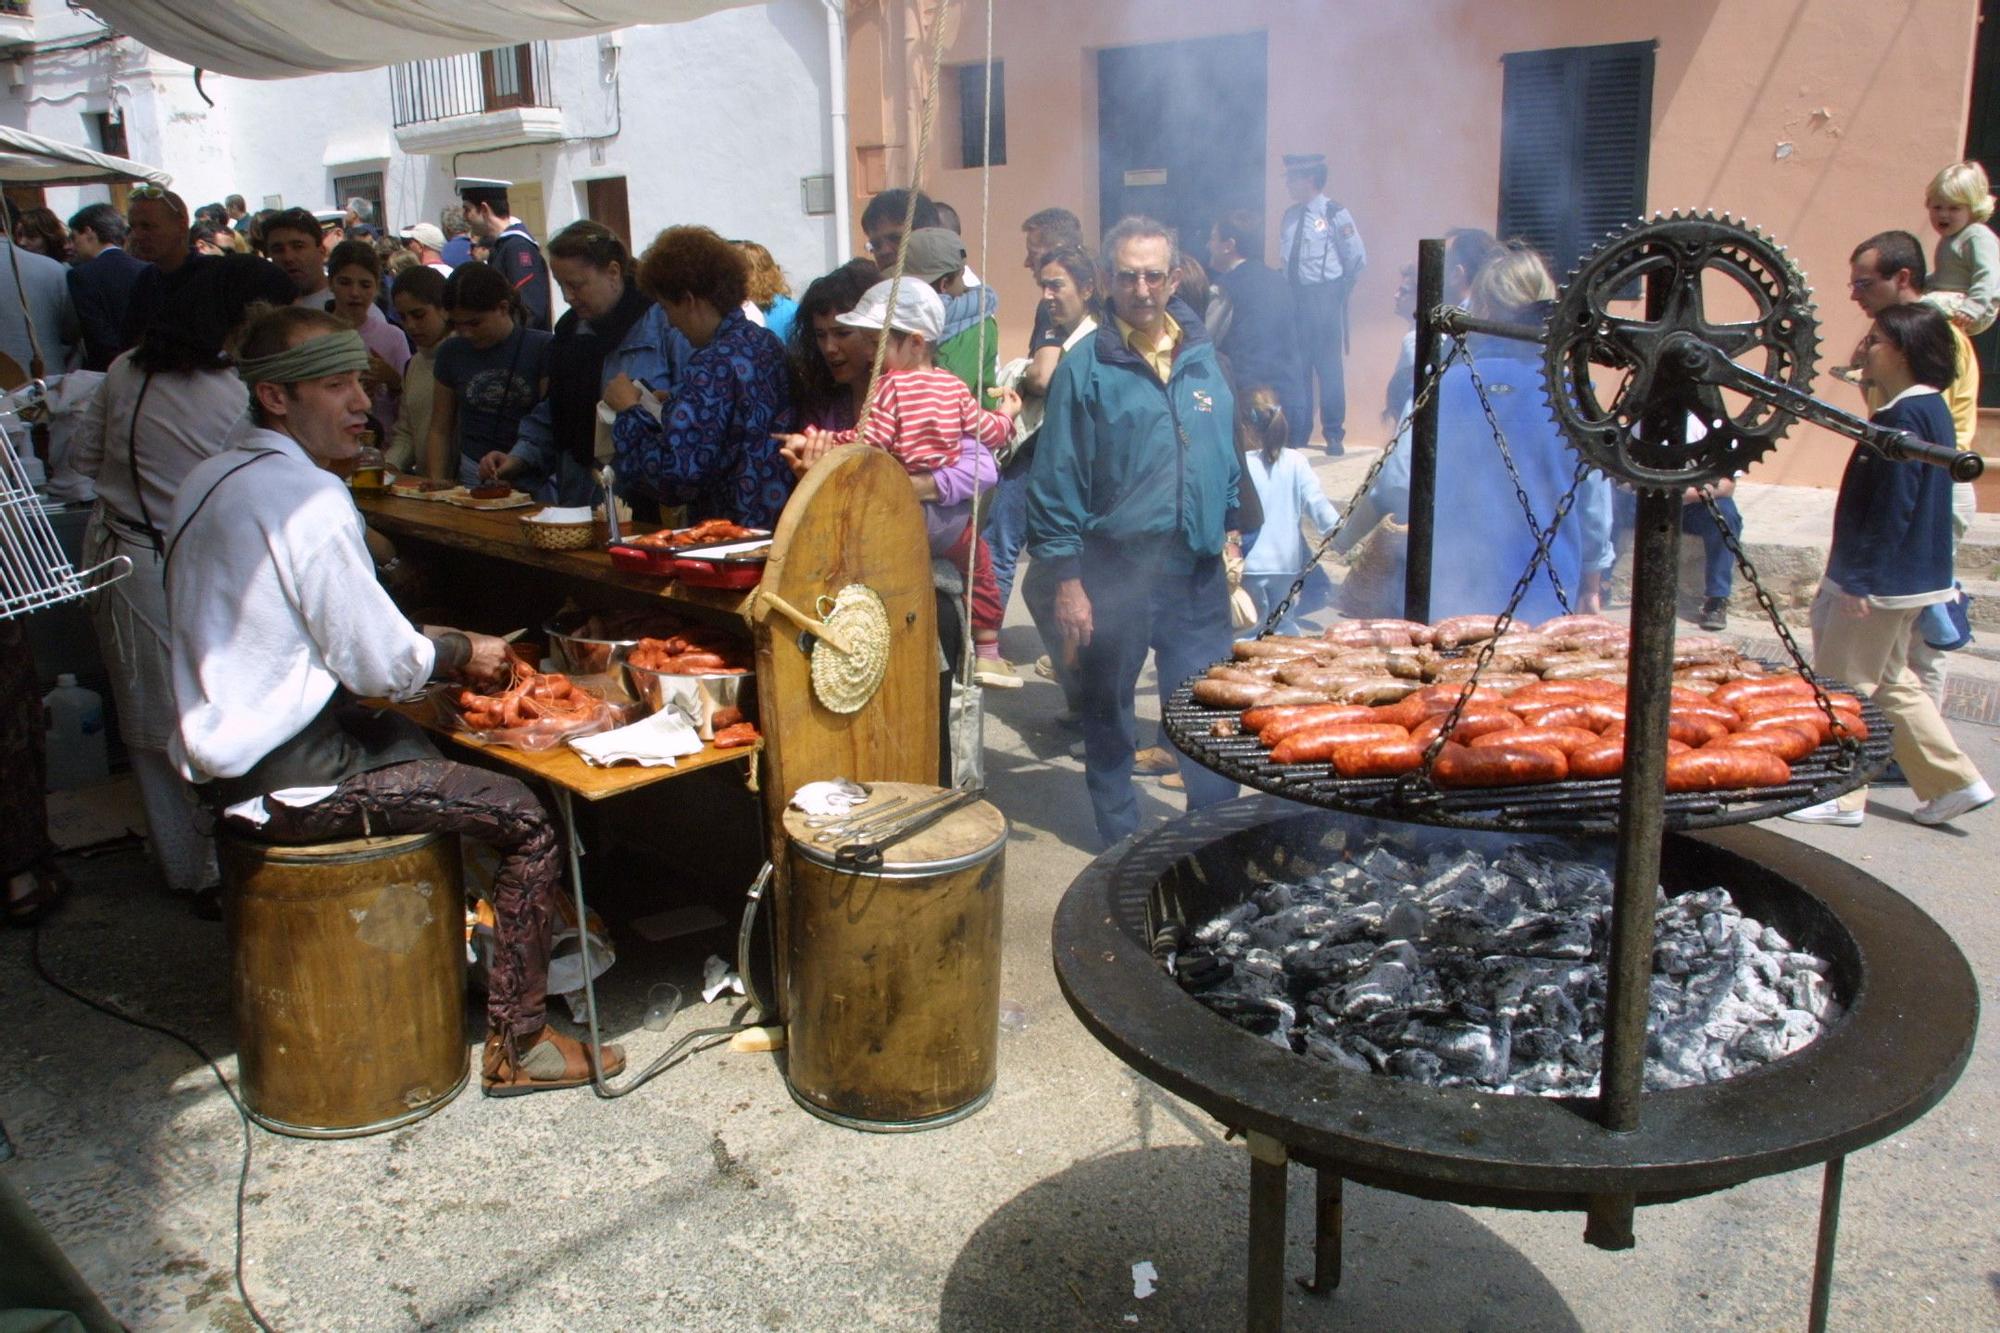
<point x="1328" y="1221"/>
<point x="1829" y="1226"/>
<point x="1266" y="1312"/>
<point x="1424" y="435"/>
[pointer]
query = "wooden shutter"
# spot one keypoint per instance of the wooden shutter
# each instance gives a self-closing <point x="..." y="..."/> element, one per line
<point x="1575" y="134"/>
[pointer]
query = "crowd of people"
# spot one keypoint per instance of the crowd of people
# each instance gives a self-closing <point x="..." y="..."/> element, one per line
<point x="1144" y="455"/>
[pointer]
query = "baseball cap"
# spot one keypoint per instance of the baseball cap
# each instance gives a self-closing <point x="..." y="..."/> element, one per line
<point x="427" y="234"/>
<point x="919" y="309"/>
<point x="932" y="252"/>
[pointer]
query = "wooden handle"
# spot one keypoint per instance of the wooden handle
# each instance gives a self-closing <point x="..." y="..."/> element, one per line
<point x="817" y="628"/>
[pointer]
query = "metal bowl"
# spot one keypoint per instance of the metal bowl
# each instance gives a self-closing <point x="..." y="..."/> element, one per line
<point x="582" y="654"/>
<point x="696" y="698"/>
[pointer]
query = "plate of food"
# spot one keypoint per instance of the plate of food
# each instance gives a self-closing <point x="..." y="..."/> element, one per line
<point x="413" y="487"/>
<point x="497" y="496"/>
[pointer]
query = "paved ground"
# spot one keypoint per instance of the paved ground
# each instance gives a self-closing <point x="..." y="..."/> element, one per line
<point x="709" y="1201"/>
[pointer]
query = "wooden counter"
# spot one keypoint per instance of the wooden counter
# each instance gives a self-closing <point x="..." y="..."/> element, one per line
<point x="497" y="533"/>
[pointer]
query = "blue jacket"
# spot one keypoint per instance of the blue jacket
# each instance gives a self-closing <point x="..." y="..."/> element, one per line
<point x="1892" y="521"/>
<point x="653" y="353"/>
<point x="1262" y="341"/>
<point x="1124" y="458"/>
<point x="713" y="450"/>
<point x="99" y="288"/>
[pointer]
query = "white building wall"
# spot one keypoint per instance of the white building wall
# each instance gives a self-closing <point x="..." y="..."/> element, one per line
<point x="714" y="121"/>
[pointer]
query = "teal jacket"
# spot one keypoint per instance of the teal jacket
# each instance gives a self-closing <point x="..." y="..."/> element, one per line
<point x="1124" y="458"/>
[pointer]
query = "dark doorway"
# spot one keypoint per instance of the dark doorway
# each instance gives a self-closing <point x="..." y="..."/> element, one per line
<point x="604" y="200"/>
<point x="1982" y="145"/>
<point x="1181" y="132"/>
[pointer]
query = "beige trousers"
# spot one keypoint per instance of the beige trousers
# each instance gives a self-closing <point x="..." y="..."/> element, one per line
<point x="1872" y="653"/>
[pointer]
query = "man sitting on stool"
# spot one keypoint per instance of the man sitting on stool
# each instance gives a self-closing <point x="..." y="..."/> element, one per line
<point x="278" y="623"/>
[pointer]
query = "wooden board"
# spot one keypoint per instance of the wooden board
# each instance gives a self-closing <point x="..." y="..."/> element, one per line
<point x="854" y="519"/>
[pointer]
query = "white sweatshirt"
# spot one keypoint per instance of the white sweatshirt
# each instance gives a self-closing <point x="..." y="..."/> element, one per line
<point x="273" y="603"/>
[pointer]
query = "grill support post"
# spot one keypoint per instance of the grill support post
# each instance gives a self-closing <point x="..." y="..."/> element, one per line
<point x="1424" y="435"/>
<point x="1328" y="1221"/>
<point x="1268" y="1164"/>
<point x="1829" y="1225"/>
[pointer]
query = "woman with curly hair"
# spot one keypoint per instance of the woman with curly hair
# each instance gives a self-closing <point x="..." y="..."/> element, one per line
<point x="831" y="360"/>
<point x="41" y="232"/>
<point x="711" y="449"/>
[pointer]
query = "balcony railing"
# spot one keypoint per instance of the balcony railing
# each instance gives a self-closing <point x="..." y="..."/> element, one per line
<point x="502" y="79"/>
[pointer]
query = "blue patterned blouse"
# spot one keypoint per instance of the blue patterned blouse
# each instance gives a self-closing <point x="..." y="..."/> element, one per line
<point x="713" y="450"/>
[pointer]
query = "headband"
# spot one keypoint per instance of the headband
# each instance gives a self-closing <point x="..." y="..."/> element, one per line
<point x="315" y="358"/>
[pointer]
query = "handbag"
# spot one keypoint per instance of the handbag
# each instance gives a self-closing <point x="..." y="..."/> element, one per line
<point x="1947" y="626"/>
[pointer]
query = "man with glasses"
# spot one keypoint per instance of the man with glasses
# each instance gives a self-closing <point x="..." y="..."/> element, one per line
<point x="1889" y="269"/>
<point x="882" y="224"/>
<point x="1131" y="492"/>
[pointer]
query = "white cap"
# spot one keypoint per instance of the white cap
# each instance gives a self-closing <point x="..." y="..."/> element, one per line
<point x="427" y="234"/>
<point x="329" y="216"/>
<point x="919" y="309"/>
<point x="464" y="183"/>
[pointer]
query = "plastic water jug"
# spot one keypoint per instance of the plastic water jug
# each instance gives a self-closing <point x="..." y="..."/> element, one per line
<point x="73" y="728"/>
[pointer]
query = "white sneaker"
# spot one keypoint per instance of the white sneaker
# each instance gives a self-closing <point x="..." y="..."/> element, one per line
<point x="1953" y="804"/>
<point x="1829" y="812"/>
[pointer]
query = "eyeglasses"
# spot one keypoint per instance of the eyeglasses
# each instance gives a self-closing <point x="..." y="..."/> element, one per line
<point x="1131" y="278"/>
<point x="1863" y="284"/>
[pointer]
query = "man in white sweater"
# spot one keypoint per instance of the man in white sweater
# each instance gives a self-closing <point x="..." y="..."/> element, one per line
<point x="278" y="623"/>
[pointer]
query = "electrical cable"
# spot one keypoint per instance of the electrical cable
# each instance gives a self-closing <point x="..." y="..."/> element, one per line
<point x="242" y="1114"/>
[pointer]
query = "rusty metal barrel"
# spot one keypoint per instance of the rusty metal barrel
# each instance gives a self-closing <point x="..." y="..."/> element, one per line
<point x="349" y="981"/>
<point x="893" y="987"/>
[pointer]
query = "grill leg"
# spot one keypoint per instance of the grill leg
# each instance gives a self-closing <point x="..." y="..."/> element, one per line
<point x="1328" y="1221"/>
<point x="1267" y="1234"/>
<point x="1829" y="1225"/>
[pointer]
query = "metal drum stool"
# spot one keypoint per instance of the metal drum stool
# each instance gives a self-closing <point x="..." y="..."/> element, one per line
<point x="348" y="985"/>
<point x="894" y="985"/>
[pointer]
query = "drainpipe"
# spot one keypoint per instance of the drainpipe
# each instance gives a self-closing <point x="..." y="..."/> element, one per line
<point x="836" y="96"/>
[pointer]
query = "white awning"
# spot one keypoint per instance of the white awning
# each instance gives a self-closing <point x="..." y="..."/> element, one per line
<point x="280" y="39"/>
<point x="29" y="159"/>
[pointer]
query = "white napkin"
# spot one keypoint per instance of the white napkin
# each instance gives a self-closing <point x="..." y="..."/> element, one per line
<point x="829" y="798"/>
<point x="553" y="514"/>
<point x="650" y="743"/>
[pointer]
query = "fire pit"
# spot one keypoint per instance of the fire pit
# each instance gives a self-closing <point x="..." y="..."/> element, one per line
<point x="1908" y="1007"/>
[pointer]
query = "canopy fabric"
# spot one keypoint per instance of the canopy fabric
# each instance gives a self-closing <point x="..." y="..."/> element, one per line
<point x="281" y="39"/>
<point x="29" y="159"/>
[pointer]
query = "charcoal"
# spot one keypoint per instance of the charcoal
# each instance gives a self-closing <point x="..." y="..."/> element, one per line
<point x="1458" y="968"/>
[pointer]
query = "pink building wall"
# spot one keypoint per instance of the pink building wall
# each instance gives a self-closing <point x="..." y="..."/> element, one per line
<point x="1404" y="99"/>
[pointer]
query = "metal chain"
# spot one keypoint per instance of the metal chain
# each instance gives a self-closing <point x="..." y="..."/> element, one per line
<point x="1850" y="745"/>
<point x="1513" y="473"/>
<point x="1424" y="396"/>
<point x="1417" y="787"/>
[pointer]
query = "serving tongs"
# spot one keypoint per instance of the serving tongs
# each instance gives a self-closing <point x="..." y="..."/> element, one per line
<point x="866" y="852"/>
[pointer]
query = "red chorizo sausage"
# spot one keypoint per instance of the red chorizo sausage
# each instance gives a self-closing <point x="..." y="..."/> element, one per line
<point x="1725" y="768"/>
<point x="1316" y="743"/>
<point x="1591" y="714"/>
<point x="1778" y="703"/>
<point x="1787" y="742"/>
<point x="1321" y="715"/>
<point x="1606" y="759"/>
<point x="1375" y="759"/>
<point x="1811" y="716"/>
<point x="1694" y="730"/>
<point x="1499" y="765"/>
<point x="1256" y="719"/>
<point x="1567" y="739"/>
<point x="1738" y="690"/>
<point x="1472" y="724"/>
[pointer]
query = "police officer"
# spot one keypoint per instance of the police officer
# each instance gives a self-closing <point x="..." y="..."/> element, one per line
<point x="510" y="248"/>
<point x="1323" y="256"/>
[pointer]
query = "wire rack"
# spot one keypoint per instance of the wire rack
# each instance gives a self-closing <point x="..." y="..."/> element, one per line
<point x="34" y="572"/>
<point x="1570" y="806"/>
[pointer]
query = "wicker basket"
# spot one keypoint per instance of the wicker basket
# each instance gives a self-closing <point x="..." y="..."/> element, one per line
<point x="559" y="536"/>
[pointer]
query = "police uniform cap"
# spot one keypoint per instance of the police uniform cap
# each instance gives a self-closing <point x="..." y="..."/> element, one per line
<point x="467" y="184"/>
<point x="1304" y="161"/>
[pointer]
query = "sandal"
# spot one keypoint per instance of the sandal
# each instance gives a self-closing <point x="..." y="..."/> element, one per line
<point x="50" y="887"/>
<point x="546" y="1062"/>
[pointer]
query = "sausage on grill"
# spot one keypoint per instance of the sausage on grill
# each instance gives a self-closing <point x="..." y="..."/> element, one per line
<point x="1499" y="765"/>
<point x="1315" y="744"/>
<point x="1725" y="768"/>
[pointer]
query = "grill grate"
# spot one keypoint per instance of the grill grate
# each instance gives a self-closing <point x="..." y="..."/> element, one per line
<point x="1572" y="806"/>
